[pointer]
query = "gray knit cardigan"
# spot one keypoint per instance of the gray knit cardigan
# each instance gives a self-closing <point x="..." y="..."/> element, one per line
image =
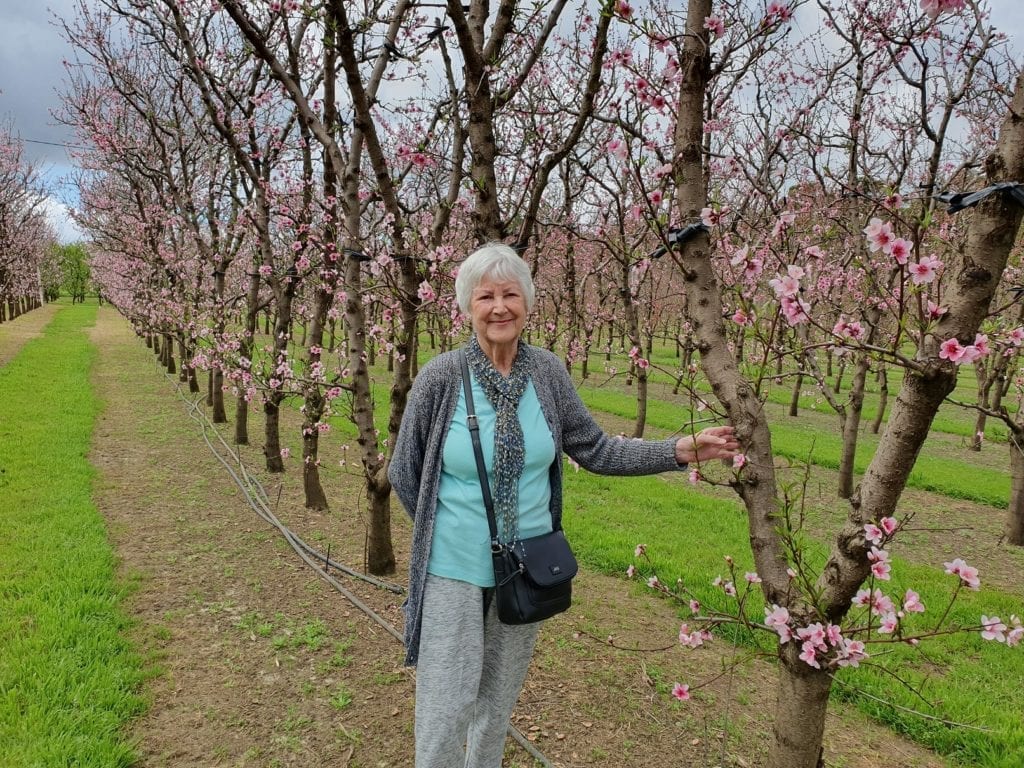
<point x="415" y="467"/>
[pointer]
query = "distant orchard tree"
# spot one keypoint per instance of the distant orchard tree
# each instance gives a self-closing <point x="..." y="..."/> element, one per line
<point x="73" y="261"/>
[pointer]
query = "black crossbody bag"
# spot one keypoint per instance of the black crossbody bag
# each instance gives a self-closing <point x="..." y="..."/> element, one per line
<point x="532" y="577"/>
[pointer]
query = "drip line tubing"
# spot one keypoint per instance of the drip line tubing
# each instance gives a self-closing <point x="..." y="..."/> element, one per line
<point x="256" y="497"/>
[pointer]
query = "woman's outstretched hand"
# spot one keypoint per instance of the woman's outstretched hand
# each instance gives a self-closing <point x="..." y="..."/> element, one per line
<point x="708" y="444"/>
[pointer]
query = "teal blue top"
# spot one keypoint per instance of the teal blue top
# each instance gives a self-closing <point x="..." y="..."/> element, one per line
<point x="461" y="546"/>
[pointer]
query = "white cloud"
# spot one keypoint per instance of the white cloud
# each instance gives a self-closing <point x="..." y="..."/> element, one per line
<point x="59" y="216"/>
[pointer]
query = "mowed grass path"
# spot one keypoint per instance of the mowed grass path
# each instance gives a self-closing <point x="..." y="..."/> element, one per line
<point x="68" y="677"/>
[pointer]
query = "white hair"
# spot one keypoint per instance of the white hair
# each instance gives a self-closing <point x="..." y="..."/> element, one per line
<point x="495" y="261"/>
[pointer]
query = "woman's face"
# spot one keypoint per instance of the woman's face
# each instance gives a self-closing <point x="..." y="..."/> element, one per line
<point x="498" y="311"/>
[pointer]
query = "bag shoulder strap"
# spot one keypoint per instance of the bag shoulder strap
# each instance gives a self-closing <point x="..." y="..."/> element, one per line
<point x="474" y="433"/>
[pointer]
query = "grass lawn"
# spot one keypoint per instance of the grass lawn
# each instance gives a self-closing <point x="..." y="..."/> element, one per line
<point x="68" y="677"/>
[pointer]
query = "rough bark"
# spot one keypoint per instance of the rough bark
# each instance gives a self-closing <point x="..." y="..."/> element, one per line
<point x="851" y="428"/>
<point x="883" y="399"/>
<point x="803" y="691"/>
<point x="1015" y="511"/>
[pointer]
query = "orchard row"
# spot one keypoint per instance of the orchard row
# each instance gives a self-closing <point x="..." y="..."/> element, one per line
<point x="758" y="184"/>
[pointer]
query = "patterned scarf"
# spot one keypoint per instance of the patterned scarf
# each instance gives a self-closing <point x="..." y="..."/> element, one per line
<point x="509" y="446"/>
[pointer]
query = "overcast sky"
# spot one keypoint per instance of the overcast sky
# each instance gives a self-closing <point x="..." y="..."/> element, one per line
<point x="32" y="73"/>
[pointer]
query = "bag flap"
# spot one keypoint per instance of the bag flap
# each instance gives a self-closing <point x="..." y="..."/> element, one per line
<point x="547" y="560"/>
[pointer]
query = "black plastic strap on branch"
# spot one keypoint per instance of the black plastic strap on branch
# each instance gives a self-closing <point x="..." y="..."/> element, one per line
<point x="678" y="237"/>
<point x="957" y="201"/>
<point x="354" y="254"/>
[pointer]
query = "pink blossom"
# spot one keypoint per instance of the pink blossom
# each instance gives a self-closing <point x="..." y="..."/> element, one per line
<point x="711" y="217"/>
<point x="968" y="574"/>
<point x="796" y="311"/>
<point x="624" y="9"/>
<point x="690" y="639"/>
<point x="851" y="653"/>
<point x="662" y="171"/>
<point x="631" y="571"/>
<point x="681" y="692"/>
<point x="653" y="582"/>
<point x="889" y="624"/>
<point x="425" y="292"/>
<point x="695" y="607"/>
<point x="729" y="588"/>
<point x="933" y="8"/>
<point x="993" y="629"/>
<point x="912" y="602"/>
<point x="935" y="311"/>
<point x="739" y="461"/>
<point x="881" y="570"/>
<point x="715" y="25"/>
<point x="873" y="533"/>
<point x="834" y="635"/>
<point x="655" y="197"/>
<point x="807" y="654"/>
<point x="778" y="11"/>
<point x="889" y="525"/>
<point x="1015" y="635"/>
<point x="848" y="329"/>
<point x="785" y="220"/>
<point x="971" y="353"/>
<point x="900" y="249"/>
<point x="981" y="344"/>
<point x="813" y="634"/>
<point x="752" y="577"/>
<point x="878" y="601"/>
<point x="785" y="287"/>
<point x="695" y="477"/>
<point x="618" y="148"/>
<point x="285" y="453"/>
<point x="776" y="616"/>
<point x="951" y="350"/>
<point x="740" y="318"/>
<point x="265" y="270"/>
<point x="880" y="235"/>
<point x="924" y="271"/>
<point x="640" y="551"/>
<point x="1016" y="336"/>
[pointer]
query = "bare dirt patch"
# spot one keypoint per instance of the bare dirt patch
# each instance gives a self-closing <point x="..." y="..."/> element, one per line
<point x="256" y="662"/>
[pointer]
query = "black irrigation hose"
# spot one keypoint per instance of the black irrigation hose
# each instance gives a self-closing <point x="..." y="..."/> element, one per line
<point x="256" y="497"/>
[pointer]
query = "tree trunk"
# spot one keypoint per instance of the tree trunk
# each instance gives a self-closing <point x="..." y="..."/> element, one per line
<point x="883" y="399"/>
<point x="252" y="297"/>
<point x="380" y="554"/>
<point x="183" y="354"/>
<point x="794" y="400"/>
<point x="641" y="403"/>
<point x="838" y="386"/>
<point x="985" y="381"/>
<point x="241" y="420"/>
<point x="801" y="702"/>
<point x="219" y="415"/>
<point x="1015" y="512"/>
<point x="851" y="428"/>
<point x="272" y="433"/>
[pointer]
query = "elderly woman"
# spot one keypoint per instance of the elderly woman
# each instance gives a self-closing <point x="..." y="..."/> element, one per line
<point x="470" y="666"/>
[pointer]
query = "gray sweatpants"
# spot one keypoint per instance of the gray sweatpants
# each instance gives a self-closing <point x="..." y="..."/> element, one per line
<point x="471" y="668"/>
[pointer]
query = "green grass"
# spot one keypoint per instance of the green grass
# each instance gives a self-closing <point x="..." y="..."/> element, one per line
<point x="68" y="677"/>
<point x="688" y="536"/>
<point x="801" y="442"/>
